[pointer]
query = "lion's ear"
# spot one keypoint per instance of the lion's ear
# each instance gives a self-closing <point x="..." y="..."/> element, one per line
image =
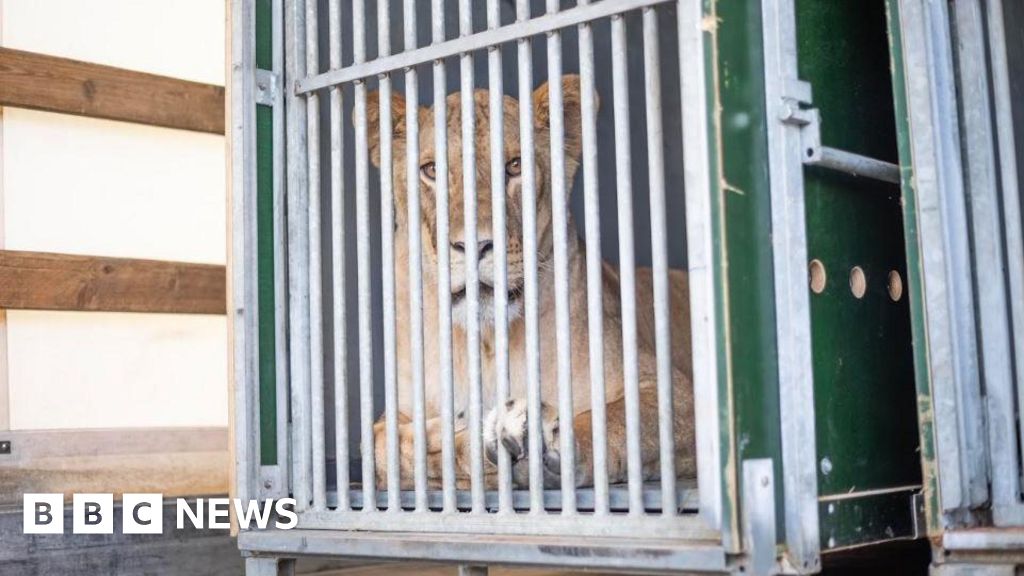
<point x="373" y="122"/>
<point x="571" y="112"/>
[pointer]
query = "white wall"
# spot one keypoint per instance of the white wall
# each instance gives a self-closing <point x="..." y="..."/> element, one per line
<point x="180" y="38"/>
<point x="87" y="186"/>
<point x="106" y="370"/>
<point x="100" y="187"/>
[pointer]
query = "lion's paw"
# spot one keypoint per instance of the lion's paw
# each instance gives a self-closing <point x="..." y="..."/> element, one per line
<point x="511" y="428"/>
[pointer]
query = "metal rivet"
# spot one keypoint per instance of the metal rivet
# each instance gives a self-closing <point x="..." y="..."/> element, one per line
<point x="826" y="466"/>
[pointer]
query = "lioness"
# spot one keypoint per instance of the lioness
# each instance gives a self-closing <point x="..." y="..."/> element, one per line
<point x="511" y="430"/>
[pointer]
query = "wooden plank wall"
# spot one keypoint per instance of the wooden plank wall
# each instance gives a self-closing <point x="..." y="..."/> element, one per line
<point x="32" y="280"/>
<point x="53" y="84"/>
<point x="48" y="281"/>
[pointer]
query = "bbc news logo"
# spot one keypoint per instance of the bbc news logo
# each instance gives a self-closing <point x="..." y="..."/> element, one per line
<point x="144" y="513"/>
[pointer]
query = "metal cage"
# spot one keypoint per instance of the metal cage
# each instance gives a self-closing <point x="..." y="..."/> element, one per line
<point x="708" y="121"/>
<point x="315" y="60"/>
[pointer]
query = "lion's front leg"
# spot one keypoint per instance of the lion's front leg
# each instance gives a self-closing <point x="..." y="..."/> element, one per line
<point x="511" y="428"/>
<point x="407" y="452"/>
<point x="435" y="454"/>
<point x="650" y="455"/>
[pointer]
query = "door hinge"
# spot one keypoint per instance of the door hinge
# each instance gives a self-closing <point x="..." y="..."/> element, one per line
<point x="267" y="86"/>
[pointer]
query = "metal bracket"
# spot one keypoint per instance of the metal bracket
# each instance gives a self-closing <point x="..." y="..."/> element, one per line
<point x="796" y="111"/>
<point x="918" y="513"/>
<point x="267" y="87"/>
<point x="759" y="516"/>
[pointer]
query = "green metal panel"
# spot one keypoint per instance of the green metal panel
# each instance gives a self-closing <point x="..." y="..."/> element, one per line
<point x="866" y="429"/>
<point x="750" y="390"/>
<point x="265" y="246"/>
<point x="915" y="274"/>
<point x="864" y="362"/>
<point x="265" y="283"/>
<point x="264" y="34"/>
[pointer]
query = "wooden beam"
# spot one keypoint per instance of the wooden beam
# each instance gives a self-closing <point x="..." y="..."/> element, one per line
<point x="174" y="461"/>
<point x="53" y="84"/>
<point x="43" y="281"/>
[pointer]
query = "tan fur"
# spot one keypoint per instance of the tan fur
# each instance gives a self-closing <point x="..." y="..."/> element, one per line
<point x="549" y="340"/>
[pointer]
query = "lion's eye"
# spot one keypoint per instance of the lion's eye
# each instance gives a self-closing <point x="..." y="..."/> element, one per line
<point x="513" y="168"/>
<point x="429" y="171"/>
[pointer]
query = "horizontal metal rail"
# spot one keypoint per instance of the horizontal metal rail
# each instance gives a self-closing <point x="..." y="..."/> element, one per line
<point x="606" y="554"/>
<point x="686" y="499"/>
<point x="856" y="165"/>
<point x="479" y="41"/>
<point x="683" y="527"/>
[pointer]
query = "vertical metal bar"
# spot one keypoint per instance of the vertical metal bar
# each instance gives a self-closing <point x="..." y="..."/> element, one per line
<point x="529" y="168"/>
<point x="497" y="134"/>
<point x="942" y="215"/>
<point x="595" y="283"/>
<point x="659" y="254"/>
<point x="560" y="224"/>
<point x="387" y="243"/>
<point x="993" y="310"/>
<point x="627" y="265"/>
<point x="444" y="280"/>
<point x="316" y="327"/>
<point x="700" y="260"/>
<point x="280" y="253"/>
<point x="298" y="258"/>
<point x="471" y="260"/>
<point x="412" y="159"/>
<point x="269" y="567"/>
<point x="1010" y="190"/>
<point x="792" y="300"/>
<point x="338" y="277"/>
<point x="363" y="256"/>
<point x="244" y="312"/>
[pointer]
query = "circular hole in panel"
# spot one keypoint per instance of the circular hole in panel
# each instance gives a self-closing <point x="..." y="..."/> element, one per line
<point x="858" y="282"/>
<point x="895" y="286"/>
<point x="816" y="270"/>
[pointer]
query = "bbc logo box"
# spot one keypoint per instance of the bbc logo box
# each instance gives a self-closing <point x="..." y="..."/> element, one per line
<point x="93" y="514"/>
<point x="43" y="514"/>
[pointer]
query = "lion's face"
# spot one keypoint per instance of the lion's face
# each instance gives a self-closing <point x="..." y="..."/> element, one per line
<point x="512" y="178"/>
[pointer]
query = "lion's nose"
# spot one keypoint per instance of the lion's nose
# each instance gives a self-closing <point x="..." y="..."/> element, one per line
<point x="482" y="248"/>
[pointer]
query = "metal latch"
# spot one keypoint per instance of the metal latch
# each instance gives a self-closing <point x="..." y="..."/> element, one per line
<point x="796" y="111"/>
